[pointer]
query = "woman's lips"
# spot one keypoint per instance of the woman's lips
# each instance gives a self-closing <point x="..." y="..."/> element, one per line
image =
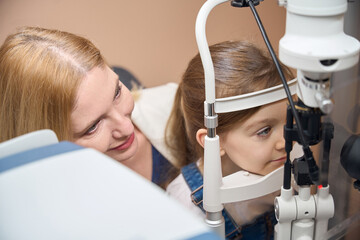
<point x="126" y="144"/>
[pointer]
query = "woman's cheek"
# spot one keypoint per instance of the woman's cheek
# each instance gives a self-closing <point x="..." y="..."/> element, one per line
<point x="99" y="143"/>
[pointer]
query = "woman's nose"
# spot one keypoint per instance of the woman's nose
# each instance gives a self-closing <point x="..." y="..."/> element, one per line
<point x="121" y="125"/>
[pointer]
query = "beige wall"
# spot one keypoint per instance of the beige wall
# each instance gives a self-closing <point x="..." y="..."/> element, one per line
<point x="153" y="39"/>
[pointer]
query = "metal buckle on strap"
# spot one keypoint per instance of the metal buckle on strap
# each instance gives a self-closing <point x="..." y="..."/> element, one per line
<point x="193" y="198"/>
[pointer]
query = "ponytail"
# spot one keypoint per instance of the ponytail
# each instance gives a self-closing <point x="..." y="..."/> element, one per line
<point x="175" y="133"/>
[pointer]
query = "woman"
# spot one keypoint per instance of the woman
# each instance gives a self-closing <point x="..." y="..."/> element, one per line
<point x="56" y="80"/>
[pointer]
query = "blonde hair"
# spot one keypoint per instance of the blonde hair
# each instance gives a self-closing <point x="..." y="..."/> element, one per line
<point x="240" y="67"/>
<point x="40" y="72"/>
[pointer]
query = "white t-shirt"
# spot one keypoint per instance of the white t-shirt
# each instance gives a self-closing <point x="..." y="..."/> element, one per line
<point x="151" y="112"/>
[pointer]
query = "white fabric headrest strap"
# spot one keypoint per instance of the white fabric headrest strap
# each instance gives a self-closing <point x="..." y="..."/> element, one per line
<point x="254" y="99"/>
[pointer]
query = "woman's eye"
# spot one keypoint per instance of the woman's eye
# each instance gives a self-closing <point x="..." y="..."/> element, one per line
<point x="264" y="132"/>
<point x="92" y="129"/>
<point x="118" y="92"/>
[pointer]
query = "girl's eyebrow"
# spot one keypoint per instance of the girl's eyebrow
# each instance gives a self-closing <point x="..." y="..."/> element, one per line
<point x="259" y="122"/>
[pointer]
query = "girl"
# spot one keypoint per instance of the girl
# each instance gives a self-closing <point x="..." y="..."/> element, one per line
<point x="250" y="140"/>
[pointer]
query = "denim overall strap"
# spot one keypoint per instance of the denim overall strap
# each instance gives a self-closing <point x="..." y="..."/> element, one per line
<point x="194" y="180"/>
<point x="160" y="167"/>
<point x="262" y="228"/>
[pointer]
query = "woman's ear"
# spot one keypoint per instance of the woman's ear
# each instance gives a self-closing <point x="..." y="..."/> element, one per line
<point x="200" y="137"/>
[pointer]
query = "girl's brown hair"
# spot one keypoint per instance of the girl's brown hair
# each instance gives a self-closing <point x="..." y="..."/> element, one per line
<point x="240" y="67"/>
<point x="40" y="71"/>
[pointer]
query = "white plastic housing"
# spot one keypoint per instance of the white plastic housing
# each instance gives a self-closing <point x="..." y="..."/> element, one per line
<point x="314" y="32"/>
<point x="84" y="194"/>
<point x="285" y="211"/>
<point x="213" y="176"/>
<point x="242" y="185"/>
<point x="28" y="141"/>
<point x="308" y="90"/>
<point x="325" y="210"/>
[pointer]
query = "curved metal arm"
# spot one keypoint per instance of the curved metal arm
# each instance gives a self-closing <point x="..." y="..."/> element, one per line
<point x="204" y="48"/>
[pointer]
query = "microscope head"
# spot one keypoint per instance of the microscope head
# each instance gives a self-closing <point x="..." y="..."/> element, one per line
<point x="315" y="44"/>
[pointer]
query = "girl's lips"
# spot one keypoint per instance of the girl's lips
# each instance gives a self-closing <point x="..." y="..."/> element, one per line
<point x="126" y="144"/>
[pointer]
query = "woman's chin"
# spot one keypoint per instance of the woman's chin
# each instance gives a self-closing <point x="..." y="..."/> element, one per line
<point x="123" y="156"/>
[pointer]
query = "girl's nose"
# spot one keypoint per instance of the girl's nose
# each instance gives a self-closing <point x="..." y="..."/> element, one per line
<point x="280" y="143"/>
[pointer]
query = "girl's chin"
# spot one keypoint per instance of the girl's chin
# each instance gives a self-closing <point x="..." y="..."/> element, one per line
<point x="274" y="168"/>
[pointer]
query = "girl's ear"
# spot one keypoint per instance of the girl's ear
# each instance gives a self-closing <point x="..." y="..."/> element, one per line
<point x="200" y="137"/>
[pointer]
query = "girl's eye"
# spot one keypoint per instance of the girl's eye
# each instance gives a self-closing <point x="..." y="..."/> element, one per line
<point x="92" y="129"/>
<point x="264" y="132"/>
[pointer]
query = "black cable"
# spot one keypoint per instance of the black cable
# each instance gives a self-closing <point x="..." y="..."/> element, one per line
<point x="313" y="169"/>
<point x="328" y="134"/>
<point x="288" y="147"/>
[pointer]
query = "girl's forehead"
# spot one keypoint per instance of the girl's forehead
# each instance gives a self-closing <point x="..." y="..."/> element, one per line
<point x="272" y="109"/>
<point x="267" y="114"/>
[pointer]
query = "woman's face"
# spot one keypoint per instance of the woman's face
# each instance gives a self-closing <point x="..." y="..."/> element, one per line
<point x="257" y="145"/>
<point x="101" y="116"/>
